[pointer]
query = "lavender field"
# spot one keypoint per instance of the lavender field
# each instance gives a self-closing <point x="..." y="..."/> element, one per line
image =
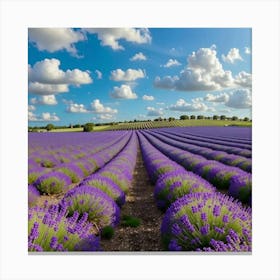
<point x="165" y="189"/>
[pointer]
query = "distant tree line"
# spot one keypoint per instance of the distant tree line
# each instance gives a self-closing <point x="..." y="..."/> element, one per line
<point x="87" y="127"/>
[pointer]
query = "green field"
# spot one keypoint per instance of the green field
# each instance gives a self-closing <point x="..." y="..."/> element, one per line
<point x="156" y="124"/>
<point x="180" y="123"/>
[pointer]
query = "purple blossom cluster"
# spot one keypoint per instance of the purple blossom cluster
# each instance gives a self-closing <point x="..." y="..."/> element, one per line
<point x="207" y="222"/>
<point x="174" y="185"/>
<point x="102" y="210"/>
<point x="107" y="185"/>
<point x="33" y="195"/>
<point x="52" y="182"/>
<point x="241" y="188"/>
<point x="49" y="229"/>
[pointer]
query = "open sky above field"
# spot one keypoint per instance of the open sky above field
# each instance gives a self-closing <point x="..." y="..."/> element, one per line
<point x="115" y="74"/>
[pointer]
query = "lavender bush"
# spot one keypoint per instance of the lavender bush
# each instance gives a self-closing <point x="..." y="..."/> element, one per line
<point x="174" y="185"/>
<point x="207" y="222"/>
<point x="52" y="182"/>
<point x="102" y="210"/>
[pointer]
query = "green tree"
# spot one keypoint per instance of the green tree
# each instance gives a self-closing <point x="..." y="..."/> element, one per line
<point x="246" y="119"/>
<point x="171" y="119"/>
<point x="200" y="117"/>
<point x="184" y="117"/>
<point x="234" y="118"/>
<point x="193" y="117"/>
<point x="49" y="127"/>
<point x="223" y="117"/>
<point x="88" y="127"/>
<point x="215" y="117"/>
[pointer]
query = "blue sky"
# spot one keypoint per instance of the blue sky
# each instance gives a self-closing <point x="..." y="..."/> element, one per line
<point x="115" y="74"/>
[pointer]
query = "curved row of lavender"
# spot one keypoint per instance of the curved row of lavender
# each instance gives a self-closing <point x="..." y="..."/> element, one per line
<point x="232" y="132"/>
<point x="241" y="162"/>
<point x="61" y="177"/>
<point x="177" y="135"/>
<point x="223" y="177"/>
<point x="94" y="203"/>
<point x="64" y="157"/>
<point x="199" y="218"/>
<point x="235" y="144"/>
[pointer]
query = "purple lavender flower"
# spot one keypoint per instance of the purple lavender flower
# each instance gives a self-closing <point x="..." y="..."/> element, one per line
<point x="101" y="209"/>
<point x="52" y="182"/>
<point x="203" y="229"/>
<point x="176" y="184"/>
<point x="241" y="188"/>
<point x="107" y="186"/>
<point x="33" y="195"/>
<point x="50" y="230"/>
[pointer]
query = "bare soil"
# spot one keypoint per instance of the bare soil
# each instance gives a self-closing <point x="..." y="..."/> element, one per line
<point x="140" y="203"/>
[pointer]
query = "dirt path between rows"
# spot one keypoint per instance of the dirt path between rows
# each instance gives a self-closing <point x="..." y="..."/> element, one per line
<point x="139" y="203"/>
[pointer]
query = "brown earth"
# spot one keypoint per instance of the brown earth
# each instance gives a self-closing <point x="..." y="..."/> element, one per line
<point x="140" y="203"/>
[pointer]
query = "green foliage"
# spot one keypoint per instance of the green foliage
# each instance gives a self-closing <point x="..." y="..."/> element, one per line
<point x="234" y="118"/>
<point x="50" y="127"/>
<point x="88" y="127"/>
<point x="130" y="221"/>
<point x="107" y="232"/>
<point x="184" y="117"/>
<point x="193" y="117"/>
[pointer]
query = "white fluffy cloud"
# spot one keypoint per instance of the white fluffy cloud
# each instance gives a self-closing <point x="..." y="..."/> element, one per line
<point x="31" y="108"/>
<point x="111" y="36"/>
<point x="43" y="117"/>
<point x="222" y="97"/>
<point x="171" y="62"/>
<point x="98" y="108"/>
<point x="138" y="56"/>
<point x="55" y="39"/>
<point x="154" y="112"/>
<point x="123" y="92"/>
<point x="203" y="72"/>
<point x="240" y="99"/>
<point x="232" y="56"/>
<point x="99" y="74"/>
<point x="148" y="97"/>
<point x="44" y="100"/>
<point x="105" y="117"/>
<point x="45" y="77"/>
<point x="247" y="50"/>
<point x="95" y="107"/>
<point x="47" y="72"/>
<point x="127" y="76"/>
<point x="244" y="79"/>
<point x="182" y="106"/>
<point x="77" y="108"/>
<point x="46" y="89"/>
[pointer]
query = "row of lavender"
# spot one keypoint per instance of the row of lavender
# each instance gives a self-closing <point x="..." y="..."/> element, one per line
<point x="54" y="180"/>
<point x="212" y="154"/>
<point x="198" y="217"/>
<point x="76" y="222"/>
<point x="237" y="182"/>
<point x="77" y="153"/>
